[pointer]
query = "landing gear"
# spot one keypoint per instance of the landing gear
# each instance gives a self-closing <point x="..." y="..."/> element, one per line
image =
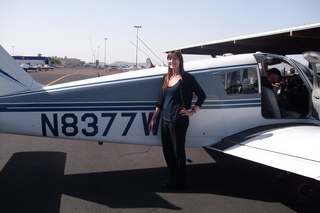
<point x="302" y="191"/>
<point x="297" y="190"/>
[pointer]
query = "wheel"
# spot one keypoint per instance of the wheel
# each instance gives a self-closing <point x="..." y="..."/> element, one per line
<point x="302" y="191"/>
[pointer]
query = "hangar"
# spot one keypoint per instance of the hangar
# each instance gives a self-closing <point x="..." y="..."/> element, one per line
<point x="293" y="40"/>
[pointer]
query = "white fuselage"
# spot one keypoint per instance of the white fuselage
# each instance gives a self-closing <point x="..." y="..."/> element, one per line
<point x="118" y="108"/>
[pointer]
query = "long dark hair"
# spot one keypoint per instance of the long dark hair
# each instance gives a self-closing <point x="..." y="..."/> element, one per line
<point x="170" y="55"/>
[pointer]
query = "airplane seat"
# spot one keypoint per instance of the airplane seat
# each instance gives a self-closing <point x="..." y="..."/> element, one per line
<point x="269" y="105"/>
<point x="289" y="114"/>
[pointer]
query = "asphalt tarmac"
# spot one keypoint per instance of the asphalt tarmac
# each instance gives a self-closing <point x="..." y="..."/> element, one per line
<point x="59" y="175"/>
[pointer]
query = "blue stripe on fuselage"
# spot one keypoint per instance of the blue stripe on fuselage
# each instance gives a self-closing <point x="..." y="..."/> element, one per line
<point x="114" y="106"/>
<point x="9" y="77"/>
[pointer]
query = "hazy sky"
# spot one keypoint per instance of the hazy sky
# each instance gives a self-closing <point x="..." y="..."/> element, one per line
<point x="64" y="28"/>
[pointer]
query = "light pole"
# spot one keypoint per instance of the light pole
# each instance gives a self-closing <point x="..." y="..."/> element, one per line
<point x="98" y="57"/>
<point x="137" y="46"/>
<point x="105" y="50"/>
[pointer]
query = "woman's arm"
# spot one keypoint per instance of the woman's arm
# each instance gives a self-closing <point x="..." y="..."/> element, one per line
<point x="156" y="113"/>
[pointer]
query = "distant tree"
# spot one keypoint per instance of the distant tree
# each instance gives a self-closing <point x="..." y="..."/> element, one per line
<point x="39" y="55"/>
<point x="55" y="60"/>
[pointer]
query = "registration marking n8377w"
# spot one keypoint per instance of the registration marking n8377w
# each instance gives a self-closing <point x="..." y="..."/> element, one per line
<point x="93" y="124"/>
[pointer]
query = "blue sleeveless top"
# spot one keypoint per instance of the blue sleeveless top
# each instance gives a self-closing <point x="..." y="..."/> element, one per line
<point x="172" y="103"/>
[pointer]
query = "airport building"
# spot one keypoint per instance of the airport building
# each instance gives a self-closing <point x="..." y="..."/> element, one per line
<point x="33" y="60"/>
<point x="41" y="61"/>
<point x="71" y="62"/>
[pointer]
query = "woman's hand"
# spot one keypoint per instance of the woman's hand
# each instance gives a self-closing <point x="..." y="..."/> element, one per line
<point x="150" y="127"/>
<point x="185" y="112"/>
<point x="157" y="112"/>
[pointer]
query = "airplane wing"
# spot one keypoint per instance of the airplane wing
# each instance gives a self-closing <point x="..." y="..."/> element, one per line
<point x="293" y="40"/>
<point x="283" y="146"/>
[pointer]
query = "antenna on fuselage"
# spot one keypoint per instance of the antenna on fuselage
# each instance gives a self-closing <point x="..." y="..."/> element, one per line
<point x="151" y="50"/>
<point x="144" y="52"/>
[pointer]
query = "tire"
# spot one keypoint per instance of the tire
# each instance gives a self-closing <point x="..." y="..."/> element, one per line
<point x="302" y="191"/>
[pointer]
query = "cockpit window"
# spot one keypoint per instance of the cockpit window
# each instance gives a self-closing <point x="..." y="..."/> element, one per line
<point x="240" y="81"/>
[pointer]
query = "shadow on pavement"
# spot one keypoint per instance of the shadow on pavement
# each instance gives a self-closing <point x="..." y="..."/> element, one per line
<point x="30" y="181"/>
<point x="35" y="182"/>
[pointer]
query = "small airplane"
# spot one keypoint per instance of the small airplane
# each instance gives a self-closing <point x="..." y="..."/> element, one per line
<point x="239" y="116"/>
<point x="28" y="66"/>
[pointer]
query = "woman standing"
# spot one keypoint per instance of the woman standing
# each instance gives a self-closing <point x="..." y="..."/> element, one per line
<point x="175" y="103"/>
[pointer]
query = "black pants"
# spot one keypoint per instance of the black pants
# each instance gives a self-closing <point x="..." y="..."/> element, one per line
<point x="173" y="144"/>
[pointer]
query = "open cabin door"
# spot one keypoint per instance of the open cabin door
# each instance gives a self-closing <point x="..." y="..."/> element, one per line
<point x="314" y="58"/>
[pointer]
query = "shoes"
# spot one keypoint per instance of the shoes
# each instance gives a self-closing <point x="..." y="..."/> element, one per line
<point x="172" y="185"/>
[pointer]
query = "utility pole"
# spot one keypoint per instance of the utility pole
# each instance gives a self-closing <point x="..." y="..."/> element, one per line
<point x="105" y="50"/>
<point x="137" y="46"/>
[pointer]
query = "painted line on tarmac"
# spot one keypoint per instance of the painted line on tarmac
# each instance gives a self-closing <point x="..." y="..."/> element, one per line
<point x="62" y="78"/>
